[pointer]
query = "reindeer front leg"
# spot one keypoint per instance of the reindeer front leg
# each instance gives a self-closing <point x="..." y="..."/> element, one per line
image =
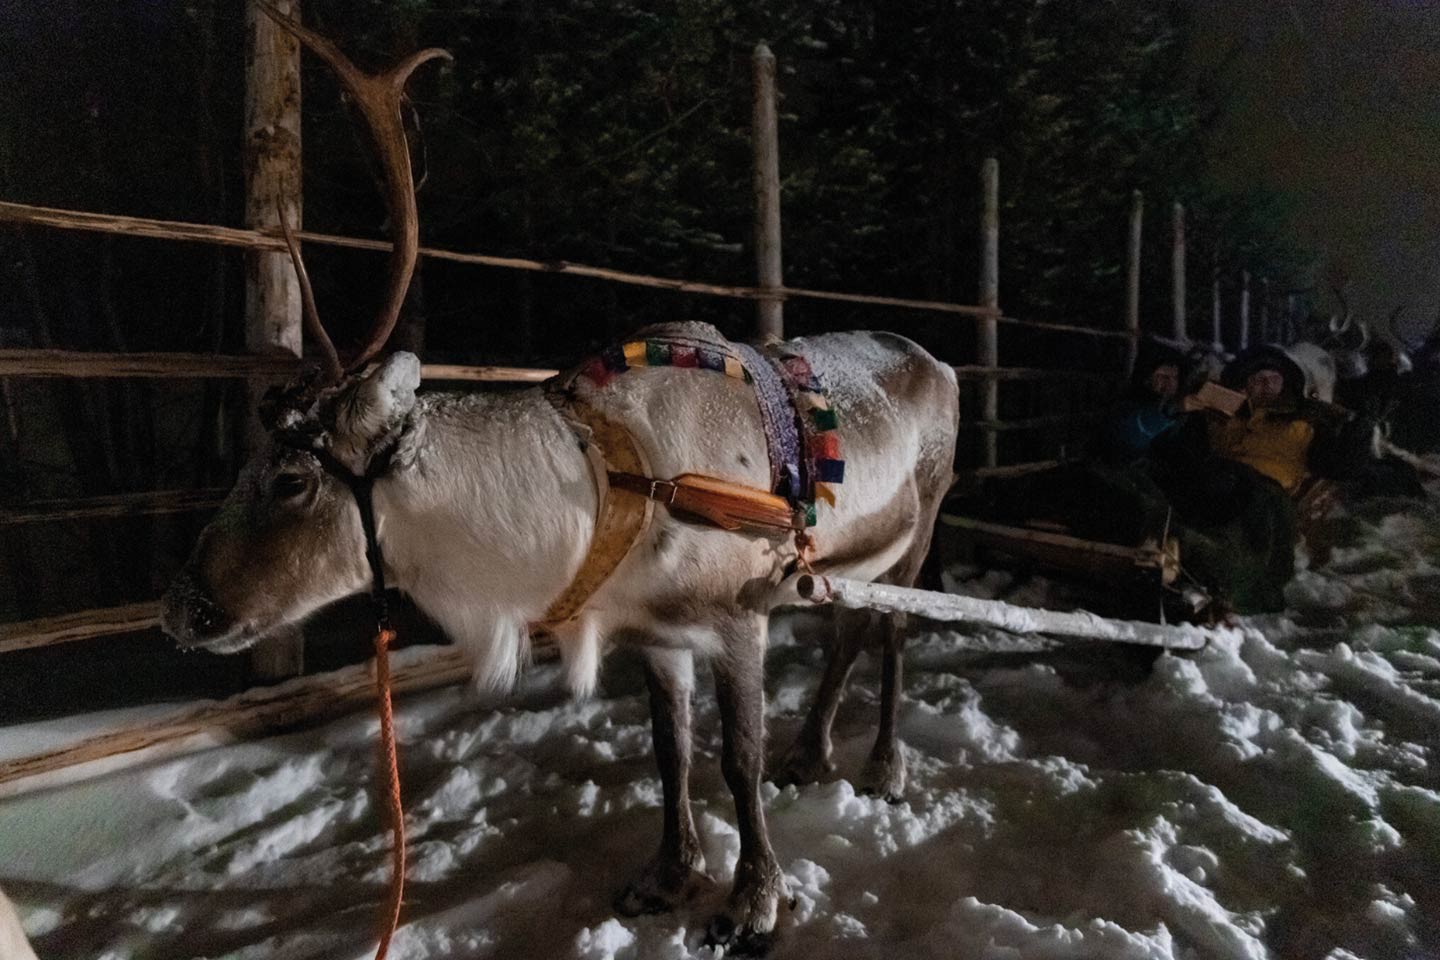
<point x="748" y="925"/>
<point x="677" y="871"/>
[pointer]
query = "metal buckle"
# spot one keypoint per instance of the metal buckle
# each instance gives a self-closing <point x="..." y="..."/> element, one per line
<point x="656" y="485"/>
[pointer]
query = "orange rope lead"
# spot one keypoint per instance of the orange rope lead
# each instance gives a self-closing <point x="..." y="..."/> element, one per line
<point x="391" y="917"/>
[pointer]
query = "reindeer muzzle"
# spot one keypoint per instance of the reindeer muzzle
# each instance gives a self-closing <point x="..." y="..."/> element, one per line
<point x="192" y="617"/>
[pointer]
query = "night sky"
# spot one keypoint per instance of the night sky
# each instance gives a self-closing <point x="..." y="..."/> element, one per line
<point x="1338" y="102"/>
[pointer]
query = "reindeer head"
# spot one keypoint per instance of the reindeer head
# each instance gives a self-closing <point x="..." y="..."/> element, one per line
<point x="288" y="539"/>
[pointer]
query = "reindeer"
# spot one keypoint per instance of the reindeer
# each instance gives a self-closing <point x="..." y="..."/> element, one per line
<point x="13" y="944"/>
<point x="487" y="506"/>
<point x="1330" y="348"/>
<point x="1368" y="364"/>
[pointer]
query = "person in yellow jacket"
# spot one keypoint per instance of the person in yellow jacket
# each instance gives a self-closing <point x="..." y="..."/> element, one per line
<point x="1284" y="431"/>
<point x="1274" y="432"/>
<point x="1233" y="479"/>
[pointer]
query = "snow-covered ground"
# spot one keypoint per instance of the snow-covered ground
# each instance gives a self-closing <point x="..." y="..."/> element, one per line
<point x="1276" y="795"/>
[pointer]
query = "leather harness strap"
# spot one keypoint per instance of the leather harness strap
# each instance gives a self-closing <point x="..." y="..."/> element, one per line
<point x="728" y="506"/>
<point x="619" y="521"/>
<point x="618" y="465"/>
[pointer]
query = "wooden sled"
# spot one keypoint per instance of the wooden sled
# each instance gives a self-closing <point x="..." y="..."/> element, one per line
<point x="1149" y="574"/>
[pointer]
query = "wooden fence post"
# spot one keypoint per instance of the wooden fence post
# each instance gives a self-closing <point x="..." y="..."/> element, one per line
<point x="770" y="321"/>
<point x="1216" y="333"/>
<point x="1132" y="281"/>
<point x="1266" y="334"/>
<point x="1243" y="339"/>
<point x="272" y="189"/>
<point x="1177" y="272"/>
<point x="988" y="329"/>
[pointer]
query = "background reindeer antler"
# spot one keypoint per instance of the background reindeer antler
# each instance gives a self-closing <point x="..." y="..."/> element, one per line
<point x="1341" y="323"/>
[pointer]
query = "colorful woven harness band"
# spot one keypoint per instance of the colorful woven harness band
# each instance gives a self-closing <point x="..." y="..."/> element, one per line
<point x="822" y="466"/>
<point x="782" y="427"/>
<point x="800" y="423"/>
<point x="667" y="352"/>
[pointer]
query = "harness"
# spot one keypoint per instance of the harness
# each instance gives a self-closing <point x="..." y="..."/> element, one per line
<point x="618" y="465"/>
<point x="799" y="427"/>
<point x="362" y="487"/>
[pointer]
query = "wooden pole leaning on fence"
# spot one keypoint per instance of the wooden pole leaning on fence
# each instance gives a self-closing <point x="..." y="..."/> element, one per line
<point x="1132" y="281"/>
<point x="1177" y="272"/>
<point x="770" y="318"/>
<point x="272" y="191"/>
<point x="987" y="331"/>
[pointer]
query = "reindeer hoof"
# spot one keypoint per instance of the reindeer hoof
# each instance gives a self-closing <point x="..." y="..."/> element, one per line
<point x="723" y="935"/>
<point x="747" y="928"/>
<point x="886" y="777"/>
<point x="661" y="888"/>
<point x="803" y="766"/>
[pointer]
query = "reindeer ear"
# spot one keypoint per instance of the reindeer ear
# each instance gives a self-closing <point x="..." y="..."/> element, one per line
<point x="378" y="404"/>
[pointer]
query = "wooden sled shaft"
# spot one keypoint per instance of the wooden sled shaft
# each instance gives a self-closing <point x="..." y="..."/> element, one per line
<point x="995" y="613"/>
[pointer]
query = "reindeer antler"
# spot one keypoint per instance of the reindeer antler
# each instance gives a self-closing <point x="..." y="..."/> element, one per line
<point x="379" y="98"/>
<point x="1343" y="323"/>
<point x="1387" y="331"/>
<point x="330" y="359"/>
<point x="1363" y="328"/>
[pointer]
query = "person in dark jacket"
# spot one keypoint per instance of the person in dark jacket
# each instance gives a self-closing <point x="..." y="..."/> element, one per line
<point x="1149" y="408"/>
<point x="1110" y="497"/>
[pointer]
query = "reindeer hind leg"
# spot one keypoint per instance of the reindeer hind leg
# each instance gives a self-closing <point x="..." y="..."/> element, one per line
<point x="809" y="757"/>
<point x="885" y="773"/>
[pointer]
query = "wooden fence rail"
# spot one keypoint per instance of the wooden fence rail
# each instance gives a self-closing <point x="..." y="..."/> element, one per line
<point x="147" y="503"/>
<point x="259" y="240"/>
<point x="1032" y="423"/>
<point x="90" y="364"/>
<point x="977" y="372"/>
<point x="298" y="703"/>
<point x="1012" y="470"/>
<point x="86" y="364"/>
<point x="82" y="625"/>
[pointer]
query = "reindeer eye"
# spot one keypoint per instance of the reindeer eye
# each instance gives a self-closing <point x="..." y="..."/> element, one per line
<point x="287" y="486"/>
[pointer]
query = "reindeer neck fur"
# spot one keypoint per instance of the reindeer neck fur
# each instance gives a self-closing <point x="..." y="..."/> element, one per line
<point x="485" y="518"/>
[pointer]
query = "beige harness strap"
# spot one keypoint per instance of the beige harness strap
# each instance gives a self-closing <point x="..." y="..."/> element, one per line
<point x="619" y="521"/>
<point x="618" y="466"/>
